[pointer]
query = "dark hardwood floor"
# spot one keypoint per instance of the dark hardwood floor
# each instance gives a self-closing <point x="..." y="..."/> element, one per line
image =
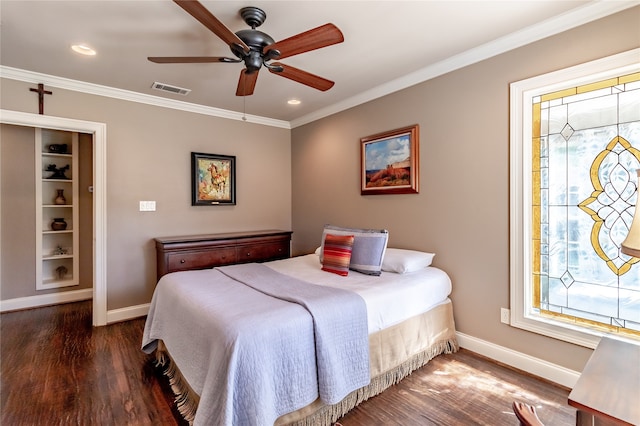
<point x="56" y="369"/>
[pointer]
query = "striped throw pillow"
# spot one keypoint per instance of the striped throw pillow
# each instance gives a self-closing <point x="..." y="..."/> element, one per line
<point x="337" y="253"/>
<point x="369" y="246"/>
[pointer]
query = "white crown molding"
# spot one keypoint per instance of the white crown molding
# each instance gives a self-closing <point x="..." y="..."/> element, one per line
<point x="563" y="22"/>
<point x="127" y="95"/>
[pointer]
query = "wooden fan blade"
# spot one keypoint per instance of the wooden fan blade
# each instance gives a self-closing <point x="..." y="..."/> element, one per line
<point x="198" y="11"/>
<point x="303" y="77"/>
<point x="316" y="38"/>
<point x="189" y="59"/>
<point x="246" y="83"/>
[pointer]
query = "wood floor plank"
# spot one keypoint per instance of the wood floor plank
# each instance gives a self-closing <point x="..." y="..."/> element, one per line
<point x="463" y="389"/>
<point x="56" y="369"/>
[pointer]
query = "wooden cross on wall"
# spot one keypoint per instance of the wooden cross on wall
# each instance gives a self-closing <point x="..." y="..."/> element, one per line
<point x="41" y="92"/>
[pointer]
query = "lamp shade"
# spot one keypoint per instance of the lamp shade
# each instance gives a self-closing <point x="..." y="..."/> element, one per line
<point x="631" y="244"/>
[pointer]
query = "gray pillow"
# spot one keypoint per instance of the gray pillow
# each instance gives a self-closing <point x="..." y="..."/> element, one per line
<point x="368" y="249"/>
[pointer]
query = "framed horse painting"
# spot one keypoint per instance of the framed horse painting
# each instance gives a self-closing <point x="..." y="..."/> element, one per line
<point x="213" y="179"/>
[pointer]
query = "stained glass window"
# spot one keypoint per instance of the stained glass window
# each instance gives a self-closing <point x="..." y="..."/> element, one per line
<point x="585" y="152"/>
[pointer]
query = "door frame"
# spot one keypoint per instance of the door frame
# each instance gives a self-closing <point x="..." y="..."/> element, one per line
<point x="99" y="132"/>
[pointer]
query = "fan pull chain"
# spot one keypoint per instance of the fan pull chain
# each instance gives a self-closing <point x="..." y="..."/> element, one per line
<point x="244" y="108"/>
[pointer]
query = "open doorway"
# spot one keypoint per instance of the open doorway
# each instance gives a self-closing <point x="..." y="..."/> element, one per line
<point x="96" y="131"/>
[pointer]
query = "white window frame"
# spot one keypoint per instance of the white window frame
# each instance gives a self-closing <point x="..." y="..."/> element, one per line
<point x="521" y="97"/>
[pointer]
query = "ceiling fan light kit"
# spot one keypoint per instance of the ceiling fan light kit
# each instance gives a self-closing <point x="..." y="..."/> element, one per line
<point x="256" y="48"/>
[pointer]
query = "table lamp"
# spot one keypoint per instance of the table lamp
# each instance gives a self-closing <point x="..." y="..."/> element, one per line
<point x="631" y="244"/>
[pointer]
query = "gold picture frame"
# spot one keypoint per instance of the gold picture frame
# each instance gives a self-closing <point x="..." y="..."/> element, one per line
<point x="390" y="162"/>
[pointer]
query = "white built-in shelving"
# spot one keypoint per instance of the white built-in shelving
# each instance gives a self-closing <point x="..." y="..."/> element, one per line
<point x="57" y="262"/>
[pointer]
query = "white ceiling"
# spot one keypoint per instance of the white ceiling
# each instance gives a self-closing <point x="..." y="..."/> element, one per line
<point x="388" y="45"/>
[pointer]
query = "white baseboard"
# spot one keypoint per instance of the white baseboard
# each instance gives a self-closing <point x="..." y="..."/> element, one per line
<point x="538" y="367"/>
<point x="130" y="312"/>
<point x="115" y="315"/>
<point x="45" y="300"/>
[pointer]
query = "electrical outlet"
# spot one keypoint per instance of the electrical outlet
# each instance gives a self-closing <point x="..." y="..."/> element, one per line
<point x="504" y="316"/>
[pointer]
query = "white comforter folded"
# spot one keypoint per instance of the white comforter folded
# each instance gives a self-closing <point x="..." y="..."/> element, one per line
<point x="391" y="298"/>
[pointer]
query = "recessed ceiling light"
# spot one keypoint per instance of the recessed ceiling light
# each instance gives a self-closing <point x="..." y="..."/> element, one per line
<point x="293" y="102"/>
<point x="83" y="49"/>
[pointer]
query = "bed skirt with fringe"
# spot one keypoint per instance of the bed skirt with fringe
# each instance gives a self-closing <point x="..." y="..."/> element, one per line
<point x="394" y="353"/>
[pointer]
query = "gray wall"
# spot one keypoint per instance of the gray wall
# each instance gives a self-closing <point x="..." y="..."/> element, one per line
<point x="17" y="151"/>
<point x="148" y="158"/>
<point x="462" y="211"/>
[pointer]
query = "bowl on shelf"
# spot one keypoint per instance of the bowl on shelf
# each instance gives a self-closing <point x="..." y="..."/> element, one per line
<point x="59" y="224"/>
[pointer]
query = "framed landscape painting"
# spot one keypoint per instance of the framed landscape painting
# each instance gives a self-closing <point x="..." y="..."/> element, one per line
<point x="213" y="179"/>
<point x="390" y="162"/>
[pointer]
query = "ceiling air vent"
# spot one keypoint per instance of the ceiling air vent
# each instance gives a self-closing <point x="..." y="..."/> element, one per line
<point x="171" y="89"/>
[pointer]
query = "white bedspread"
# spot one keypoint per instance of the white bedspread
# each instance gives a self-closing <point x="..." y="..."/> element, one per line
<point x="390" y="298"/>
<point x="249" y="353"/>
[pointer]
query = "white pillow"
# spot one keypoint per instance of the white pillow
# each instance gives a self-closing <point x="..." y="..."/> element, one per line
<point x="403" y="261"/>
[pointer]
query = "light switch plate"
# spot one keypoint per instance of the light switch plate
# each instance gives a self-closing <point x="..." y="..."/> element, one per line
<point x="147" y="206"/>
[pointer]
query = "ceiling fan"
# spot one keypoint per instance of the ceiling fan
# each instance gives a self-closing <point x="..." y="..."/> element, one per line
<point x="257" y="49"/>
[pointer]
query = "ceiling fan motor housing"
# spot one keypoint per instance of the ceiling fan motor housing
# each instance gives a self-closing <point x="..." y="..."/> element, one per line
<point x="257" y="41"/>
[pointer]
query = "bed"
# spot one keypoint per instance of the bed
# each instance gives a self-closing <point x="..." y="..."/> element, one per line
<point x="390" y="324"/>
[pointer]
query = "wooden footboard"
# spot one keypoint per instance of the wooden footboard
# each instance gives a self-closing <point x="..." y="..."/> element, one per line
<point x="394" y="353"/>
